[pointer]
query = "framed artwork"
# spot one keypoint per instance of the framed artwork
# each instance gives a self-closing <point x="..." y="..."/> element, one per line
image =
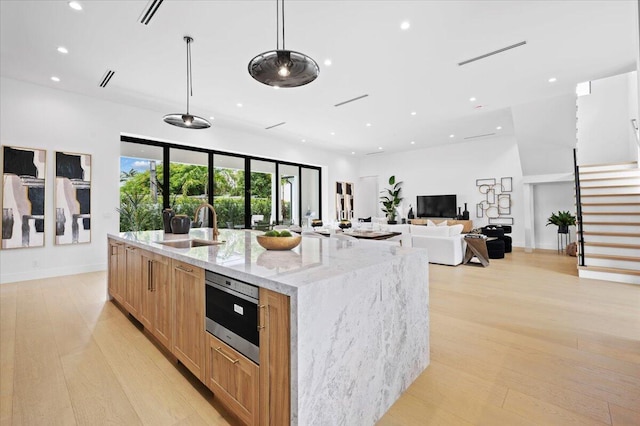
<point x="507" y="184"/>
<point x="497" y="202"/>
<point x="488" y="182"/>
<point x="504" y="204"/>
<point x="73" y="198"/>
<point x="344" y="200"/>
<point x="501" y="220"/>
<point x="23" y="197"/>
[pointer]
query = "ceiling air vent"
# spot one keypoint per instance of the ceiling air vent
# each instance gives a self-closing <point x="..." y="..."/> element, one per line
<point x="276" y="125"/>
<point x="479" y="136"/>
<point x="495" y="52"/>
<point x="149" y="11"/>
<point x="351" y="100"/>
<point x="106" y="78"/>
<point x="374" y="152"/>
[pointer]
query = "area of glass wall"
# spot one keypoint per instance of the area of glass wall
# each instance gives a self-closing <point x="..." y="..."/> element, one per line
<point x="141" y="195"/>
<point x="246" y="192"/>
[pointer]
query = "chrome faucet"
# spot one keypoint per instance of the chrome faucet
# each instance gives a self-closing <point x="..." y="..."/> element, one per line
<point x="215" y="220"/>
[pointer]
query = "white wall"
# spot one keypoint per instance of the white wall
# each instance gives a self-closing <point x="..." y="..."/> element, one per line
<point x="549" y="198"/>
<point x="604" y="128"/>
<point x="453" y="169"/>
<point x="546" y="133"/>
<point x="40" y="117"/>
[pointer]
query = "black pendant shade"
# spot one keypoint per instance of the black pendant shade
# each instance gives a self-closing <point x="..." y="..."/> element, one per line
<point x="186" y="120"/>
<point x="282" y="67"/>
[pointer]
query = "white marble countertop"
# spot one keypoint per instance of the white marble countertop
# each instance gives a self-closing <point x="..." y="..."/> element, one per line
<point x="241" y="257"/>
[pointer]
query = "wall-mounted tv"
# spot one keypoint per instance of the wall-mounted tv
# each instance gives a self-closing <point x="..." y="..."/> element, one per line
<point x="437" y="206"/>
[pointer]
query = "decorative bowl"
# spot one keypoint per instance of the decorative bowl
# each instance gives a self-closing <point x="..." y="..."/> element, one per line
<point x="279" y="243"/>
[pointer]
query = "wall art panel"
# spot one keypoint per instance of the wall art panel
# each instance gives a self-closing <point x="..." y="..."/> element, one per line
<point x="23" y="197"/>
<point x="73" y="198"/>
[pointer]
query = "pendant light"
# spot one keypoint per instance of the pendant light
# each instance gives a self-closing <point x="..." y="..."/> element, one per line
<point x="187" y="120"/>
<point x="281" y="67"/>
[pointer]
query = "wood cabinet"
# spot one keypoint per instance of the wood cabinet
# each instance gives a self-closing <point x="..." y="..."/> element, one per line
<point x="155" y="299"/>
<point x="133" y="280"/>
<point x="116" y="272"/>
<point x="233" y="379"/>
<point x="188" y="316"/>
<point x="275" y="359"/>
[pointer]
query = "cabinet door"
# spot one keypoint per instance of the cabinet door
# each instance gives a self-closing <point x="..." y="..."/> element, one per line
<point x="147" y="310"/>
<point x="133" y="280"/>
<point x="233" y="379"/>
<point x="188" y="316"/>
<point x="275" y="386"/>
<point x="161" y="289"/>
<point x="116" y="270"/>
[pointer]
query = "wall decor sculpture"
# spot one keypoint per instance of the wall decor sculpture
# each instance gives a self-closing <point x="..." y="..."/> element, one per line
<point x="344" y="201"/>
<point x="73" y="198"/>
<point x="496" y="205"/>
<point x="23" y="184"/>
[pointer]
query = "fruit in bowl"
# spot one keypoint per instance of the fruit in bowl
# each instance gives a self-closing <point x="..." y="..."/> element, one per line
<point x="278" y="240"/>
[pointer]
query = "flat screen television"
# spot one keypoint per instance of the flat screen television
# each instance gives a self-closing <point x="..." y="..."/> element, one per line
<point x="437" y="206"/>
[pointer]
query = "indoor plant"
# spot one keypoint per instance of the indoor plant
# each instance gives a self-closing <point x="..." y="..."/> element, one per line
<point x="391" y="199"/>
<point x="562" y="220"/>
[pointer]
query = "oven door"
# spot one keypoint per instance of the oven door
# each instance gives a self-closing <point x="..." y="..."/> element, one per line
<point x="233" y="318"/>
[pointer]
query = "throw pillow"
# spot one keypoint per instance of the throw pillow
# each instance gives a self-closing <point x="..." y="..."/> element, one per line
<point x="430" y="223"/>
<point x="455" y="229"/>
<point x="443" y="223"/>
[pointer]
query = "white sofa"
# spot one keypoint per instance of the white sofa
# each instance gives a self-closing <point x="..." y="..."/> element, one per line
<point x="445" y="244"/>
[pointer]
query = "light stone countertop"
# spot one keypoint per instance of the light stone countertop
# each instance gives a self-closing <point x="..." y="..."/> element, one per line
<point x="241" y="257"/>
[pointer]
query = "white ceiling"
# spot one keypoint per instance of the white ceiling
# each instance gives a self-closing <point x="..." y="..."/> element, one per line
<point x="401" y="71"/>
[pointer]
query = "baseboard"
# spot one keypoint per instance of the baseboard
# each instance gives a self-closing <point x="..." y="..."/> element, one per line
<point x="37" y="274"/>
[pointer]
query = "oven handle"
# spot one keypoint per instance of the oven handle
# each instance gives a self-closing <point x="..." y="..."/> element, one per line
<point x="231" y="360"/>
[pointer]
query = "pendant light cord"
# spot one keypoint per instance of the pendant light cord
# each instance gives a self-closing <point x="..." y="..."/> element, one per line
<point x="278" y="7"/>
<point x="189" y="75"/>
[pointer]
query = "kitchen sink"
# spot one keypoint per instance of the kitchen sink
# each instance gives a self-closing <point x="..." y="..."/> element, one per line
<point x="190" y="243"/>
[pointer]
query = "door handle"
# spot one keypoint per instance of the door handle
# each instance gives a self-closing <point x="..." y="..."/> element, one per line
<point x="231" y="360"/>
<point x="260" y="320"/>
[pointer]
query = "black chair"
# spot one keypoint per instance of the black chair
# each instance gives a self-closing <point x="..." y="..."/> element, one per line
<point x="495" y="249"/>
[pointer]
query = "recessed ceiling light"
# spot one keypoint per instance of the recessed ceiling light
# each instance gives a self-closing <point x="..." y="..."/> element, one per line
<point x="54" y="78"/>
<point x="75" y="5"/>
<point x="368" y="124"/>
<point x="328" y="62"/>
<point x="62" y="49"/>
<point x="472" y="99"/>
<point x="405" y="25"/>
<point x="332" y="133"/>
<point x="353" y="153"/>
<point x="413" y="113"/>
<point x="304" y="140"/>
<point x="413" y="142"/>
<point x="276" y="87"/>
<point x="499" y="128"/>
<point x="379" y="147"/>
<point x="553" y="80"/>
<point x="211" y="118"/>
<point x="452" y="136"/>
<point x="239" y="105"/>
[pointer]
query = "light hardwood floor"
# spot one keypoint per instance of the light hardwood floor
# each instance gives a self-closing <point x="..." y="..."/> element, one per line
<point x="521" y="342"/>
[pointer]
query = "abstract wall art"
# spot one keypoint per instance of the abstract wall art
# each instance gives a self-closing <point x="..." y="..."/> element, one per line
<point x="496" y="205"/>
<point x="23" y="197"/>
<point x="344" y="200"/>
<point x="73" y="198"/>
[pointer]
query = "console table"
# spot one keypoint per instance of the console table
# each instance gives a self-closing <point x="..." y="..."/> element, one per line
<point x="468" y="224"/>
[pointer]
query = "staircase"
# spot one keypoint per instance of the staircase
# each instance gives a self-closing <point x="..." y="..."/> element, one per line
<point x="610" y="204"/>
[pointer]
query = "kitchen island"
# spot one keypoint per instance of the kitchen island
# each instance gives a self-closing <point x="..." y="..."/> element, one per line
<point x="358" y="315"/>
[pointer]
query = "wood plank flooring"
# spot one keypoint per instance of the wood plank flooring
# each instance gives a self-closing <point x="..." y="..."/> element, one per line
<point x="521" y="342"/>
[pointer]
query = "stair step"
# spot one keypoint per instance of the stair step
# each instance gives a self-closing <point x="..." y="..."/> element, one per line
<point x="613" y="257"/>
<point x="613" y="234"/>
<point x="610" y="204"/>
<point x="608" y="174"/>
<point x="609" y="195"/>
<point x="612" y="223"/>
<point x="632" y="176"/>
<point x="626" y="185"/>
<point x="611" y="213"/>
<point x="613" y="245"/>
<point x="610" y="270"/>
<point x="611" y="166"/>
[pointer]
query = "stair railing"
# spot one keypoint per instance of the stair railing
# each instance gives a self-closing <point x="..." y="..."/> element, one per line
<point x="576" y="172"/>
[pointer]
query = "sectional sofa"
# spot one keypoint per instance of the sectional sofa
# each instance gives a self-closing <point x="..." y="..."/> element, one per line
<point x="445" y="244"/>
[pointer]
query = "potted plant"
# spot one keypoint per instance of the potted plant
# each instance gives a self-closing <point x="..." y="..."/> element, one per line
<point x="562" y="220"/>
<point x="391" y="200"/>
